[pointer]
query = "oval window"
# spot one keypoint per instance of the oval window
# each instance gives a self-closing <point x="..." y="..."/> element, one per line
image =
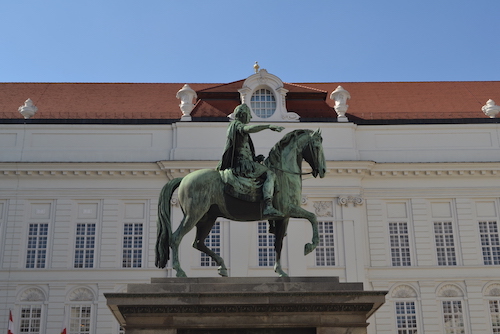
<point x="263" y="103"/>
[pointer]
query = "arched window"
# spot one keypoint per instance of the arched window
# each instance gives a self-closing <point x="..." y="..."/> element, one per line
<point x="405" y="307"/>
<point x="492" y="295"/>
<point x="453" y="309"/>
<point x="263" y="103"/>
<point x="81" y="311"/>
<point x="32" y="311"/>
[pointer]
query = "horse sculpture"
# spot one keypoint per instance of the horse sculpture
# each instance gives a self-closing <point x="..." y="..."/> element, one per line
<point x="202" y="199"/>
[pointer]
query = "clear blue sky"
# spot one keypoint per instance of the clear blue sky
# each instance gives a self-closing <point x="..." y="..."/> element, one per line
<point x="219" y="41"/>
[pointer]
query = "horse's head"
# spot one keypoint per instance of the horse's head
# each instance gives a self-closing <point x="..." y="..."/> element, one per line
<point x="314" y="155"/>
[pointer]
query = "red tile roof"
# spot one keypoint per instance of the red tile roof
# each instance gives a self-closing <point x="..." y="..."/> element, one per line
<point x="369" y="100"/>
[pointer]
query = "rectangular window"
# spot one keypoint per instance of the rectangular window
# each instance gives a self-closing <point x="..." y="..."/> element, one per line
<point x="400" y="244"/>
<point x="79" y="321"/>
<point x="37" y="245"/>
<point x="325" y="252"/>
<point x="490" y="242"/>
<point x="445" y="244"/>
<point x="453" y="317"/>
<point x="84" y="246"/>
<point x="31" y="316"/>
<point x="212" y="242"/>
<point x="266" y="253"/>
<point x="132" y="245"/>
<point x="495" y="315"/>
<point x="406" y="318"/>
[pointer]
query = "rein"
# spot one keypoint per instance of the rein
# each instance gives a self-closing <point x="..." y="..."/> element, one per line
<point x="289" y="172"/>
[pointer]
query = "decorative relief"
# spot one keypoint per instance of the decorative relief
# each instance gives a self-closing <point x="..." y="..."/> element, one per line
<point x="174" y="200"/>
<point x="345" y="200"/>
<point x="404" y="291"/>
<point x="450" y="290"/>
<point x="304" y="200"/>
<point x="32" y="295"/>
<point x="81" y="294"/>
<point x="493" y="290"/>
<point x="323" y="209"/>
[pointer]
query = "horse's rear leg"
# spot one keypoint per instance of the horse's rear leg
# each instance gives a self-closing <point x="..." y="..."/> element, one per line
<point x="280" y="227"/>
<point x="188" y="222"/>
<point x="203" y="229"/>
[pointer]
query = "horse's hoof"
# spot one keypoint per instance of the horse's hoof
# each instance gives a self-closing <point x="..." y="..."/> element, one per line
<point x="181" y="273"/>
<point x="283" y="274"/>
<point x="222" y="272"/>
<point x="308" y="248"/>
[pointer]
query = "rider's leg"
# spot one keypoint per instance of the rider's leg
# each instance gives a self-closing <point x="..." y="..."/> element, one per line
<point x="268" y="193"/>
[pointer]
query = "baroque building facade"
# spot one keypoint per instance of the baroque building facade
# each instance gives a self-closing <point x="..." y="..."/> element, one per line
<point x="410" y="203"/>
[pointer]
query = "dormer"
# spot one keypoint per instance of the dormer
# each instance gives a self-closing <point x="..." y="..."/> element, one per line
<point x="265" y="95"/>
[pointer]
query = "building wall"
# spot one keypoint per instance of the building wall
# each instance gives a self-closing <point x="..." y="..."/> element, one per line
<point x="379" y="180"/>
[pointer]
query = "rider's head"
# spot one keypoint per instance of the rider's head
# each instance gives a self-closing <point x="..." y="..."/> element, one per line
<point x="242" y="113"/>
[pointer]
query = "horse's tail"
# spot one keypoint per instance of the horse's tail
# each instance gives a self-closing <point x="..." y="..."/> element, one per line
<point x="164" y="223"/>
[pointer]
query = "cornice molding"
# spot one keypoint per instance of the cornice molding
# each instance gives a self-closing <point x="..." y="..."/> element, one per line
<point x="173" y="169"/>
<point x="79" y="170"/>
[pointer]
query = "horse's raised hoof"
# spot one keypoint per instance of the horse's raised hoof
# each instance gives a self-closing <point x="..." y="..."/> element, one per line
<point x="308" y="248"/>
<point x="222" y="272"/>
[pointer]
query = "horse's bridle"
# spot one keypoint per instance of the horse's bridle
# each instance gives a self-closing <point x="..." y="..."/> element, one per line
<point x="309" y="145"/>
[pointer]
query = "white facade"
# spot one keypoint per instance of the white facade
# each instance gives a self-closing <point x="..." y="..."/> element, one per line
<point x="411" y="209"/>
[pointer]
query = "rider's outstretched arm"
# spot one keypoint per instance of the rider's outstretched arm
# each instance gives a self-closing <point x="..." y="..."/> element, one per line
<point x="259" y="127"/>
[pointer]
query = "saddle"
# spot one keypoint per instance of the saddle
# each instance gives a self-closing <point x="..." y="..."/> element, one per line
<point x="244" y="188"/>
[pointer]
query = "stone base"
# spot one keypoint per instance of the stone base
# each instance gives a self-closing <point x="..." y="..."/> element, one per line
<point x="227" y="305"/>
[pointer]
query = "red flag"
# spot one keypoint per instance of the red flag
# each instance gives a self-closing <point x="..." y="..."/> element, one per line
<point x="11" y="324"/>
<point x="64" y="331"/>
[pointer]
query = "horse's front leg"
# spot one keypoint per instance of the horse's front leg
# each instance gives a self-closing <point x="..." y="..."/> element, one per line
<point x="298" y="212"/>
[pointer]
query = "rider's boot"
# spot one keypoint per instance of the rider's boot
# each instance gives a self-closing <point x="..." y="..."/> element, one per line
<point x="269" y="210"/>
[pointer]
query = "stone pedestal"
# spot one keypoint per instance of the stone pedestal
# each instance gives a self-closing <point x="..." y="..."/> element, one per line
<point x="224" y="305"/>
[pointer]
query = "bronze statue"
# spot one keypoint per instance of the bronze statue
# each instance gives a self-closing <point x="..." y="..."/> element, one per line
<point x="207" y="194"/>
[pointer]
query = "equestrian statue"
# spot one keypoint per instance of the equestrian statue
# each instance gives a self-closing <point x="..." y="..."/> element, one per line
<point x="243" y="187"/>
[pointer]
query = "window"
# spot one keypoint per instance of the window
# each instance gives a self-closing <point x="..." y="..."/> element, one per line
<point x="445" y="244"/>
<point x="132" y="245"/>
<point x="453" y="317"/>
<point x="84" y="246"/>
<point x="37" y="245"/>
<point x="400" y="244"/>
<point x="212" y="242"/>
<point x="31" y="316"/>
<point x="80" y="319"/>
<point x="406" y="318"/>
<point x="263" y="103"/>
<point x="325" y="252"/>
<point x="495" y="315"/>
<point x="490" y="242"/>
<point x="266" y="253"/>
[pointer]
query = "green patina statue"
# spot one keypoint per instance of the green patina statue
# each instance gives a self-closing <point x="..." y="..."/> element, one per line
<point x="242" y="189"/>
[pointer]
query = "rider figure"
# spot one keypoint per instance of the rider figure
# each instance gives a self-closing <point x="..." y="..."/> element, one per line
<point x="239" y="155"/>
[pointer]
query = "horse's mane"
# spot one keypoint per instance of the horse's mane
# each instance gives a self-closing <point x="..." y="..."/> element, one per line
<point x="275" y="154"/>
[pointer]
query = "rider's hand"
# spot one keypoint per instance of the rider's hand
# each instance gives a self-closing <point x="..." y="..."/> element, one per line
<point x="276" y="128"/>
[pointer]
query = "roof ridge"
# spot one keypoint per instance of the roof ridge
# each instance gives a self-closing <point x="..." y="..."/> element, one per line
<point x="302" y="86"/>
